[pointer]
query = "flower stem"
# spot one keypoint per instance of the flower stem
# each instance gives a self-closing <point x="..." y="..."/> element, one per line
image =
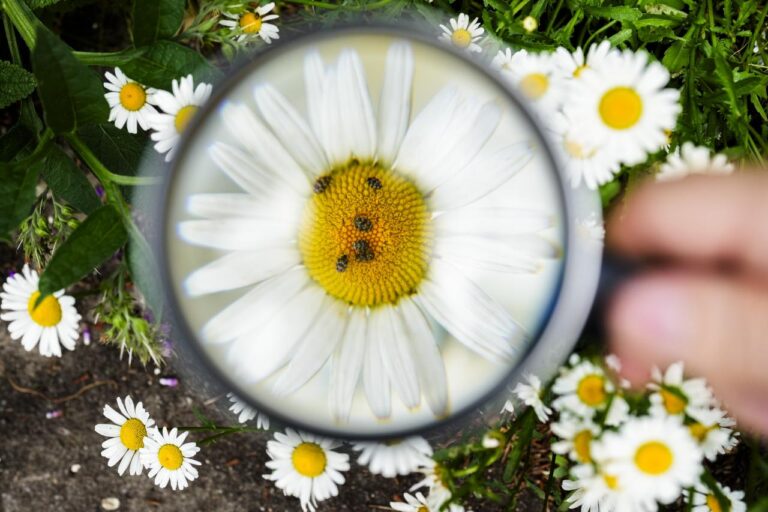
<point x="101" y="172"/>
<point x="110" y="59"/>
<point x="23" y="19"/>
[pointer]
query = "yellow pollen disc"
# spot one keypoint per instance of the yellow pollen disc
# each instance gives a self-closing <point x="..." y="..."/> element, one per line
<point x="654" y="458"/>
<point x="309" y="460"/>
<point x="673" y="403"/>
<point x="713" y="504"/>
<point x="581" y="445"/>
<point x="422" y="509"/>
<point x="170" y="456"/>
<point x="591" y="390"/>
<point x="579" y="70"/>
<point x="47" y="313"/>
<point x="183" y="116"/>
<point x="534" y="85"/>
<point x="365" y="235"/>
<point x="611" y="481"/>
<point x="621" y="107"/>
<point x="132" y="96"/>
<point x="250" y="22"/>
<point x="699" y="431"/>
<point x="132" y="434"/>
<point x="461" y="37"/>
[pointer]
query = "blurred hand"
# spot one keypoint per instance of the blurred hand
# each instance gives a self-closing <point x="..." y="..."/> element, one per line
<point x="710" y="310"/>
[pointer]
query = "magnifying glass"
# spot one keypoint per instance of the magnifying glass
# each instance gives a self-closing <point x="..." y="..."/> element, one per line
<point x="366" y="234"/>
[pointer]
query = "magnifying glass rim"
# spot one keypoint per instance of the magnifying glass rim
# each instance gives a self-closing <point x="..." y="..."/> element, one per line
<point x="221" y="92"/>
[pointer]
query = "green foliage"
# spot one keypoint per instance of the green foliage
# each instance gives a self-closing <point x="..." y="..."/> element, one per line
<point x="95" y="240"/>
<point x="156" y="19"/>
<point x="163" y="61"/>
<point x="71" y="94"/>
<point x="17" y="193"/>
<point x="16" y="83"/>
<point x="68" y="183"/>
<point x="117" y="149"/>
<point x="41" y="233"/>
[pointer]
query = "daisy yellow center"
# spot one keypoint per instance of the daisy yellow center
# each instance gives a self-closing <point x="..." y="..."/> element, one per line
<point x="611" y="481"/>
<point x="183" y="116"/>
<point x="170" y="457"/>
<point x="581" y="443"/>
<point x="47" y="313"/>
<point x="309" y="460"/>
<point x="132" y="96"/>
<point x="653" y="458"/>
<point x="250" y="22"/>
<point x="132" y="434"/>
<point x="673" y="403"/>
<point x="699" y="431"/>
<point x="579" y="70"/>
<point x="535" y="85"/>
<point x="713" y="504"/>
<point x="422" y="509"/>
<point x="591" y="390"/>
<point x="620" y="108"/>
<point x="364" y="235"/>
<point x="461" y="37"/>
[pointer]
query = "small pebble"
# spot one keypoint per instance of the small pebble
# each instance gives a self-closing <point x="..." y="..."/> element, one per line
<point x="74" y="468"/>
<point x="110" y="503"/>
<point x="157" y="370"/>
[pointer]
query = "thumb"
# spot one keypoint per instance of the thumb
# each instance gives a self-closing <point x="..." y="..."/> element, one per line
<point x="717" y="326"/>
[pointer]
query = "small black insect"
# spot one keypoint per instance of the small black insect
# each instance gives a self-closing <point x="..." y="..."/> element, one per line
<point x="363" y="251"/>
<point x="363" y="223"/>
<point x="374" y="183"/>
<point x="341" y="263"/>
<point x="321" y="184"/>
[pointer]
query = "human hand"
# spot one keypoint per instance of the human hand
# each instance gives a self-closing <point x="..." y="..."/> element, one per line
<point x="710" y="309"/>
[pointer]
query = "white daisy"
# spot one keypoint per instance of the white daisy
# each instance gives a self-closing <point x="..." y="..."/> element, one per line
<point x="253" y="23"/>
<point x="420" y="503"/>
<point x="530" y="395"/>
<point x="397" y="457"/>
<point x="713" y="430"/>
<point x="53" y="322"/>
<point x="179" y="108"/>
<point x="463" y="34"/>
<point x="692" y="159"/>
<point x="574" y="63"/>
<point x="589" y="229"/>
<point x="704" y="500"/>
<point x="344" y="276"/>
<point x="169" y="459"/>
<point x="539" y="79"/>
<point x="576" y="436"/>
<point x="306" y="466"/>
<point x="433" y="479"/>
<point x="583" y="390"/>
<point x="655" y="456"/>
<point x="503" y="60"/>
<point x="674" y="395"/>
<point x="622" y="105"/>
<point x="246" y="413"/>
<point x="126" y="434"/>
<point x="130" y="103"/>
<point x="595" y="491"/>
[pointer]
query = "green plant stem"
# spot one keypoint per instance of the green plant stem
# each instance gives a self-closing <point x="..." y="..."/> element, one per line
<point x="597" y="33"/>
<point x="101" y="172"/>
<point x="109" y="59"/>
<point x="23" y="19"/>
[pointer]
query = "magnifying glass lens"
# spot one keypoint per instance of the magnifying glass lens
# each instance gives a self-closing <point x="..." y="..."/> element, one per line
<point x="364" y="233"/>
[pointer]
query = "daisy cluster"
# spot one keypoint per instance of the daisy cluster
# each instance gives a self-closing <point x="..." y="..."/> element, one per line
<point x="603" y="109"/>
<point x="630" y="451"/>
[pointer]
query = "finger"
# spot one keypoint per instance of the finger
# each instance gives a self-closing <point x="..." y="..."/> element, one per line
<point x="717" y="326"/>
<point x="705" y="219"/>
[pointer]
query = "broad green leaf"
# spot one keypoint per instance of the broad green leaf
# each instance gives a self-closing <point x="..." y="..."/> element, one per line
<point x="619" y="13"/>
<point x="15" y="142"/>
<point x="72" y="95"/>
<point x="68" y="182"/>
<point x="117" y="149"/>
<point x="156" y="19"/>
<point x="165" y="60"/>
<point x="17" y="193"/>
<point x="676" y="56"/>
<point x="92" y="243"/>
<point x="16" y="83"/>
<point x="621" y="36"/>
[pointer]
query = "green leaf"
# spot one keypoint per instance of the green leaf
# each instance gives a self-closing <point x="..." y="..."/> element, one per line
<point x="724" y="75"/>
<point x="676" y="56"/>
<point x="156" y="19"/>
<point x="92" y="243"/>
<point x="165" y="60"/>
<point x="17" y="193"/>
<point x="619" y="13"/>
<point x="68" y="182"/>
<point x="40" y="4"/>
<point x="621" y="36"/>
<point x="15" y="142"/>
<point x="16" y="83"/>
<point x="117" y="149"/>
<point x="72" y="95"/>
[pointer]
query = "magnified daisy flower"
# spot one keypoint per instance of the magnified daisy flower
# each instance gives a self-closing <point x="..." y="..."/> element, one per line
<point x="594" y="490"/>
<point x="169" y="459"/>
<point x="503" y="60"/>
<point x="253" y="23"/>
<point x="576" y="435"/>
<point x="539" y="79"/>
<point x="574" y="63"/>
<point x="623" y="106"/>
<point x="704" y="500"/>
<point x="306" y="466"/>
<point x="675" y="395"/>
<point x="691" y="159"/>
<point x="367" y="232"/>
<point x="397" y="457"/>
<point x="126" y="434"/>
<point x="713" y="430"/>
<point x="246" y="413"/>
<point x="178" y="109"/>
<point x="463" y="34"/>
<point x="530" y="395"/>
<point x="655" y="456"/>
<point x="130" y="103"/>
<point x="53" y="322"/>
